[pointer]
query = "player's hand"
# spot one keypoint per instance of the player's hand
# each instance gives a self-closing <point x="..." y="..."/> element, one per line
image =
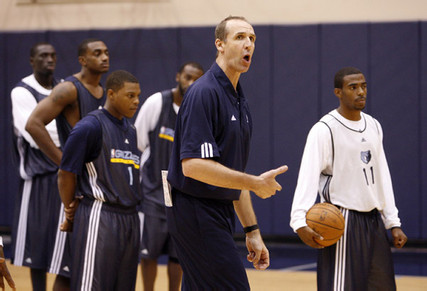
<point x="71" y="209"/>
<point x="258" y="253"/>
<point x="66" y="226"/>
<point x="399" y="237"/>
<point x="268" y="185"/>
<point x="308" y="236"/>
<point x="4" y="273"/>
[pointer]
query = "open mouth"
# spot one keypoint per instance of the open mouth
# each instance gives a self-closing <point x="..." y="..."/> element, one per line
<point x="247" y="58"/>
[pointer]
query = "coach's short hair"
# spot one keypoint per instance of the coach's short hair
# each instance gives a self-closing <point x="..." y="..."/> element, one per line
<point x="221" y="29"/>
<point x="339" y="76"/>
<point x="83" y="45"/>
<point x="116" y="80"/>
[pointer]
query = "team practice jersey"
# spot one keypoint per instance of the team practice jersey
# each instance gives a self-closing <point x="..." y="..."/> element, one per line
<point x="87" y="103"/>
<point x="156" y="129"/>
<point x="100" y="149"/>
<point x="25" y="96"/>
<point x="354" y="171"/>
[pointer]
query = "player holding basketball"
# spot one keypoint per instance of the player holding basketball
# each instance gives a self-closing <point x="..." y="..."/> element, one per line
<point x="344" y="162"/>
<point x="206" y="170"/>
<point x="100" y="165"/>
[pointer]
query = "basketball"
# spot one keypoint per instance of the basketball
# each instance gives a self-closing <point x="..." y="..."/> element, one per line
<point x="328" y="221"/>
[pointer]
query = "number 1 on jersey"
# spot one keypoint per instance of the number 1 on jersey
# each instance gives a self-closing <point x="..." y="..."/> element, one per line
<point x="130" y="176"/>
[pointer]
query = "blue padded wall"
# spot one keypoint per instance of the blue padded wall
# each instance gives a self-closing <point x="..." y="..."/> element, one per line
<point x="289" y="87"/>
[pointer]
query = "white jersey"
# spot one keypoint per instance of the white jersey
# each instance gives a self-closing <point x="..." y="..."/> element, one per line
<point x="146" y="121"/>
<point x="23" y="103"/>
<point x="344" y="162"/>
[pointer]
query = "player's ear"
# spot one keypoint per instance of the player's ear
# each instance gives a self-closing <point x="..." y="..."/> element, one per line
<point x="338" y="92"/>
<point x="219" y="45"/>
<point x="111" y="94"/>
<point x="82" y="60"/>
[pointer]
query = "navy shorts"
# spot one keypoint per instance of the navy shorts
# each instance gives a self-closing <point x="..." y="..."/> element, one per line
<point x="105" y="247"/>
<point x="35" y="235"/>
<point x="361" y="259"/>
<point x="156" y="240"/>
<point x="202" y="231"/>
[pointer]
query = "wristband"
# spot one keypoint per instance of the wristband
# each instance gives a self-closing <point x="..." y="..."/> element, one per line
<point x="250" y="228"/>
<point x="1" y="241"/>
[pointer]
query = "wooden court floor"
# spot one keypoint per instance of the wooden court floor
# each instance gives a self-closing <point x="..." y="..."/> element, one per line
<point x="269" y="280"/>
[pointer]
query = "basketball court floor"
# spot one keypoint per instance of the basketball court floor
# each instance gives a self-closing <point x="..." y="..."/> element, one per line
<point x="292" y="268"/>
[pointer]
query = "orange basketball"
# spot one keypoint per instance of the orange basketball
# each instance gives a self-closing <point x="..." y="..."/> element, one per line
<point x="328" y="221"/>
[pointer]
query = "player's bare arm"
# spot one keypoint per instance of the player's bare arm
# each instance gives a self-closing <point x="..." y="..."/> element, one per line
<point x="213" y="173"/>
<point x="62" y="99"/>
<point x="308" y="236"/>
<point x="257" y="251"/>
<point x="67" y="186"/>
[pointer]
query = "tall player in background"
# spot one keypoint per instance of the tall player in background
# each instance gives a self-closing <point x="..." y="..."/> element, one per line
<point x="80" y="94"/>
<point x="344" y="162"/>
<point x="100" y="165"/>
<point x="38" y="208"/>
<point x="155" y="125"/>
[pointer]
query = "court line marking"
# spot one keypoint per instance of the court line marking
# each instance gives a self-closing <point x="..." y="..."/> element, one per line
<point x="299" y="267"/>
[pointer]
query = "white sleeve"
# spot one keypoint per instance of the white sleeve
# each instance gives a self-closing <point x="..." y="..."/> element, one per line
<point x="23" y="103"/>
<point x="1" y="241"/>
<point x="147" y="119"/>
<point x="389" y="213"/>
<point x="316" y="158"/>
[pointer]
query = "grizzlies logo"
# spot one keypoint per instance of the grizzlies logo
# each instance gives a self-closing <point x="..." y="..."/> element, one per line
<point x="365" y="156"/>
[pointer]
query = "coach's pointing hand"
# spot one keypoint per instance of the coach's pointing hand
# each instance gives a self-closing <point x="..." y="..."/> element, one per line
<point x="266" y="185"/>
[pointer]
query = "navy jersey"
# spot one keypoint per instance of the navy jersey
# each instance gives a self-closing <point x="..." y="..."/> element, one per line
<point x="213" y="122"/>
<point x="33" y="161"/>
<point x="161" y="141"/>
<point x="87" y="103"/>
<point x="102" y="151"/>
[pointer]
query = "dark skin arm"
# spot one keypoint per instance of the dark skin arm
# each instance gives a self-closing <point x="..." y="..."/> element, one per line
<point x="4" y="272"/>
<point x="307" y="235"/>
<point x="67" y="182"/>
<point x="62" y="99"/>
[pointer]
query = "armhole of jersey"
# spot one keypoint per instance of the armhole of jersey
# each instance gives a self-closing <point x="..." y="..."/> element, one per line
<point x="332" y="141"/>
<point x="167" y="98"/>
<point x="325" y="190"/>
<point x="29" y="88"/>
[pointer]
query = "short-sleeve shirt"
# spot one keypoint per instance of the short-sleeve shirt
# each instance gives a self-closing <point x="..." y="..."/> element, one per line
<point x="213" y="122"/>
